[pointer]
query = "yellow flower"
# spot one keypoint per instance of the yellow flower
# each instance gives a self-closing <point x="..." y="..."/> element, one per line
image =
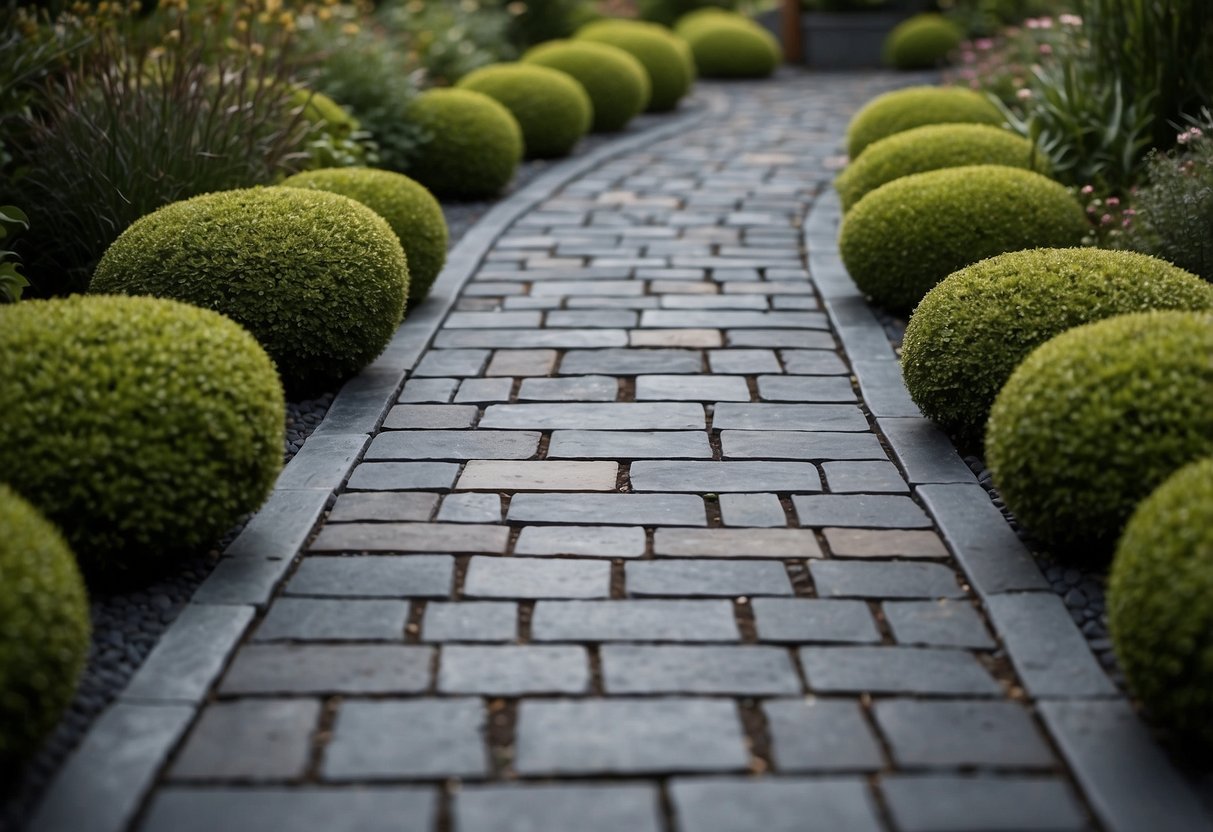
<point x="350" y="29"/>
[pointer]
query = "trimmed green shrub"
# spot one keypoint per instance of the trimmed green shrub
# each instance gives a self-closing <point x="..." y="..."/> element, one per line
<point x="911" y="107"/>
<point x="1095" y="419"/>
<point x="44" y="627"/>
<point x="656" y="49"/>
<point x="689" y="22"/>
<point x="143" y="428"/>
<point x="725" y="48"/>
<point x="972" y="330"/>
<point x="552" y="109"/>
<point x="934" y="147"/>
<point x="474" y="144"/>
<point x="666" y="12"/>
<point x="1160" y="602"/>
<point x="408" y="207"/>
<point x="616" y="82"/>
<point x="319" y="279"/>
<point x="334" y="137"/>
<point x="906" y="236"/>
<point x="922" y="42"/>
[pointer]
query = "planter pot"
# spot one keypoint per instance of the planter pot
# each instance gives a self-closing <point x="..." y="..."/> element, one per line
<point x="843" y="40"/>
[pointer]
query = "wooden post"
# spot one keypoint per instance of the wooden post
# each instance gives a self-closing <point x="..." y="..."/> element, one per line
<point x="789" y="27"/>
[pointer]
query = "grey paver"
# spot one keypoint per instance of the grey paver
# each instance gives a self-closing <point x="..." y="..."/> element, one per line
<point x="918" y="670"/>
<point x="821" y="735"/>
<point x="666" y="319"/>
<point x="787" y="339"/>
<point x="322" y="463"/>
<point x="415" y="738"/>
<point x="403" y="476"/>
<point x="787" y="444"/>
<point x="455" y="444"/>
<point x="482" y="390"/>
<point x="942" y="803"/>
<point x="513" y="669"/>
<point x="961" y="733"/>
<point x="872" y="579"/>
<point x="629" y="444"/>
<point x="924" y="451"/>
<point x="713" y="301"/>
<point x="647" y="620"/>
<point x="382" y="576"/>
<point x="695" y="338"/>
<point x="736" y="543"/>
<point x="940" y="623"/>
<point x="720" y="477"/>
<point x="597" y="807"/>
<point x="730" y="669"/>
<point x="809" y="620"/>
<point x="631" y="362"/>
<point x="863" y="510"/>
<point x="710" y="579"/>
<point x="436" y="390"/>
<point x="613" y="509"/>
<point x="411" y="537"/>
<point x="521" y="363"/>
<point x="580" y="319"/>
<point x="595" y="416"/>
<point x="470" y="508"/>
<point x="404" y="416"/>
<point x="537" y="578"/>
<point x="329" y="669"/>
<point x="752" y="510"/>
<point x="795" y="417"/>
<point x="190" y="654"/>
<point x="525" y="339"/>
<point x="593" y="541"/>
<point x="805" y="389"/>
<point x="746" y="362"/>
<point x="491" y="320"/>
<point x="881" y="543"/>
<point x="457" y="363"/>
<point x="884" y="392"/>
<point x="470" y="621"/>
<point x="572" y="389"/>
<point x="814" y="362"/>
<point x="388" y="506"/>
<point x="396" y="809"/>
<point x="628" y="736"/>
<point x="775" y="805"/>
<point x="323" y="619"/>
<point x="510" y="475"/>
<point x="692" y="388"/>
<point x="863" y="477"/>
<point x="249" y="739"/>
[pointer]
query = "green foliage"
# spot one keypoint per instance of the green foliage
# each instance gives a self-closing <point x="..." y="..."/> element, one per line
<point x="319" y="279"/>
<point x="408" y="207"/>
<point x="449" y="39"/>
<point x="704" y="16"/>
<point x="335" y="138"/>
<point x="552" y="109"/>
<point x="616" y="82"/>
<point x="911" y="107"/>
<point x="1095" y="419"/>
<point x="972" y="330"/>
<point x="933" y="147"/>
<point x="143" y="428"/>
<point x="12" y="219"/>
<point x="1160" y="603"/>
<point x="988" y="17"/>
<point x="922" y="42"/>
<point x="473" y="145"/>
<point x="658" y="52"/>
<point x="904" y="237"/>
<point x="543" y="20"/>
<point x="667" y="12"/>
<point x="732" y="47"/>
<point x="44" y="627"/>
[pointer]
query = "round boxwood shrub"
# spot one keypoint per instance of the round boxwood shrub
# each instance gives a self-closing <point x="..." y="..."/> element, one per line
<point x="933" y="147"/>
<point x="318" y="108"/>
<point x="617" y="83"/>
<point x="474" y="144"/>
<point x="552" y="109"/>
<point x="911" y="107"/>
<point x="319" y="279"/>
<point x="727" y="48"/>
<point x="906" y="236"/>
<point x="973" y="329"/>
<point x="1095" y="419"/>
<point x="44" y="627"/>
<point x="1160" y="602"/>
<point x="921" y="42"/>
<point x="408" y="207"/>
<point x="667" y="12"/>
<point x="657" y="51"/>
<point x="689" y="22"/>
<point x="143" y="428"/>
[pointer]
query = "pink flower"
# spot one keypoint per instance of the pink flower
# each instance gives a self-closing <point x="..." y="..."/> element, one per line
<point x="1046" y="49"/>
<point x="968" y="57"/>
<point x="1106" y="219"/>
<point x="984" y="44"/>
<point x="1023" y="94"/>
<point x="1113" y="202"/>
<point x="1070" y="20"/>
<point x="1087" y="190"/>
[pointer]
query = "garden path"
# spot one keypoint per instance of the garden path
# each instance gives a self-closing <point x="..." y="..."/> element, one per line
<point x="653" y="539"/>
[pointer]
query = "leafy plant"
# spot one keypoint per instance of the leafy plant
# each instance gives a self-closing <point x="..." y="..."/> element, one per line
<point x="11" y="279"/>
<point x="450" y="39"/>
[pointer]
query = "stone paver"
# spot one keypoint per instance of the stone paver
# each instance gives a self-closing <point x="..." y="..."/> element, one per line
<point x="821" y="735"/>
<point x="470" y="621"/>
<point x="250" y="739"/>
<point x="961" y="733"/>
<point x="939" y="803"/>
<point x="646" y="620"/>
<point x="707" y="579"/>
<point x="417" y="738"/>
<point x="783" y="805"/>
<point x="537" y="578"/>
<point x="742" y="670"/>
<point x="592" y="541"/>
<point x="808" y="620"/>
<point x="329" y="669"/>
<point x="736" y="543"/>
<point x="940" y="623"/>
<point x="530" y="808"/>
<point x="867" y="579"/>
<point x="616" y="509"/>
<point x="382" y="576"/>
<point x="331" y="619"/>
<point x="719" y="477"/>
<point x="513" y="670"/>
<point x="306" y="809"/>
<point x="895" y="670"/>
<point x="504" y="475"/>
<point x="629" y="444"/>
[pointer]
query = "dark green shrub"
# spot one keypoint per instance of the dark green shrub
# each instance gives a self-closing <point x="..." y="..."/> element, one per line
<point x="143" y="428"/>
<point x="921" y="42"/>
<point x="616" y="82"/>
<point x="911" y="107"/>
<point x="1095" y="419"/>
<point x="473" y="146"/>
<point x="904" y="237"/>
<point x="656" y="49"/>
<point x="552" y="109"/>
<point x="970" y="332"/>
<point x="319" y="279"/>
<point x="44" y="627"/>
<point x="706" y="15"/>
<point x="1160" y="602"/>
<point x="667" y="12"/>
<point x="725" y="48"/>
<point x="933" y="147"/>
<point x="408" y="207"/>
<point x="335" y="138"/>
<point x="449" y="39"/>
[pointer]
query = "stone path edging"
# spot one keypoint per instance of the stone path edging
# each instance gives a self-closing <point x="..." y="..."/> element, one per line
<point x="94" y="793"/>
<point x="1128" y="780"/>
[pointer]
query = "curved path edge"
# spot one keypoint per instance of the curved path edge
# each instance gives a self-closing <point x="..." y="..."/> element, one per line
<point x="1127" y="778"/>
<point x="102" y="784"/>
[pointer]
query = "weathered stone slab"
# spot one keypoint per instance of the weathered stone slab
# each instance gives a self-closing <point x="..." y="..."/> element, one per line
<point x="326" y="669"/>
<point x="573" y="389"/>
<point x="706" y="579"/>
<point x="592" y="541"/>
<point x="598" y="807"/>
<point x="695" y="338"/>
<point x="513" y="669"/>
<point x="881" y="543"/>
<point x="632" y="362"/>
<point x="821" y="735"/>
<point x="528" y="339"/>
<point x="782" y="338"/>
<point x="251" y="739"/>
<point x="752" y="510"/>
<point x="736" y="543"/>
<point x="511" y="475"/>
<point x="387" y="506"/>
<point x="409" y="416"/>
<point x="413" y="738"/>
<point x="687" y="621"/>
<point x="609" y="509"/>
<point x="864" y="478"/>
<point x="730" y="669"/>
<point x="375" y="576"/>
<point x="948" y="803"/>
<point x="909" y="670"/>
<point x="805" y="389"/>
<point x="809" y="620"/>
<point x="775" y="805"/>
<point x="793" y="417"/>
<point x="306" y="809"/>
<point x="470" y="508"/>
<point x="617" y="444"/>
<point x="872" y="579"/>
<point x="537" y="578"/>
<point x="863" y="510"/>
<point x="961" y="733"/>
<point x="720" y="477"/>
<point x="937" y="624"/>
<point x="455" y="444"/>
<point x="788" y="444"/>
<point x="403" y="476"/>
<point x="451" y="363"/>
<point x="814" y="362"/>
<point x="470" y="621"/>
<point x="595" y="416"/>
<point x="411" y="537"/>
<point x="317" y="619"/>
<point x="521" y="363"/>
<point x="692" y="388"/>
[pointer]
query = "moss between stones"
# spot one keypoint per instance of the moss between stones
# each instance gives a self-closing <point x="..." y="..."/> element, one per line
<point x="319" y="279"/>
<point x="616" y="82"/>
<point x="921" y="42"/>
<point x="656" y="49"/>
<point x="1160" y="603"/>
<point x="911" y="107"/>
<point x="143" y="428"/>
<point x="904" y="237"/>
<point x="474" y="144"/>
<point x="408" y="207"/>
<point x="972" y="330"/>
<point x="44" y="627"/>
<point x="728" y="48"/>
<point x="551" y="107"/>
<point x="1095" y="419"/>
<point x="934" y="147"/>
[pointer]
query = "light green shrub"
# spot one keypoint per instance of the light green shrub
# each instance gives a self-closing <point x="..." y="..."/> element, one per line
<point x="922" y="42"/>
<point x="616" y="82"/>
<point x="727" y="48"/>
<point x="551" y="107"/>
<point x="473" y="148"/>
<point x="656" y="49"/>
<point x="912" y="107"/>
